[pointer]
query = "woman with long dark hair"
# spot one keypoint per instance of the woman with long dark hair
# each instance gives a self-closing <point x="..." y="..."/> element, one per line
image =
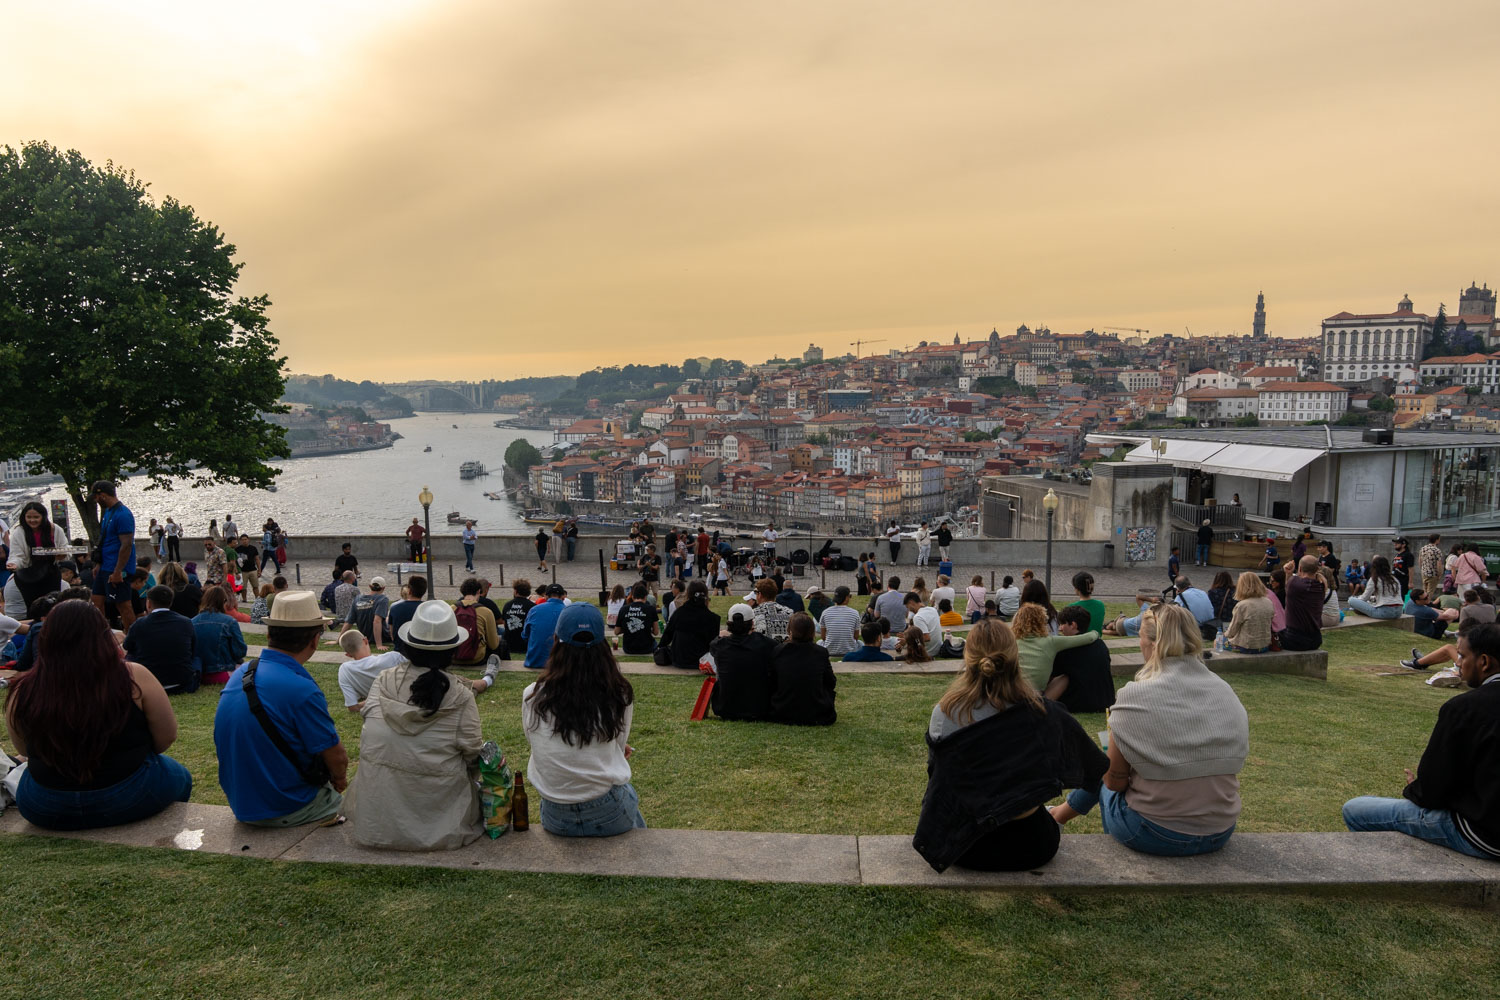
<point x="413" y="791"/>
<point x="1035" y="592"/>
<point x="577" y="719"/>
<point x="94" y="727"/>
<point x="36" y="574"/>
<point x="1382" y="597"/>
<point x="997" y="751"/>
<point x="187" y="597"/>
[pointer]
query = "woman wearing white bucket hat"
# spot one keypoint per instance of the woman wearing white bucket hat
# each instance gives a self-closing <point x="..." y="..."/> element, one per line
<point x="413" y="791"/>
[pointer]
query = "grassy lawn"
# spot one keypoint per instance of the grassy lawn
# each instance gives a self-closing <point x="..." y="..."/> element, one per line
<point x="178" y="924"/>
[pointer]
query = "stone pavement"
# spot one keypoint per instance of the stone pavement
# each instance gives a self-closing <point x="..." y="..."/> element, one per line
<point x="1344" y="864"/>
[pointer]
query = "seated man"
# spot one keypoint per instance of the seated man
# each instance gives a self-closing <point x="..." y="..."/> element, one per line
<point x="870" y="633"/>
<point x="164" y="643"/>
<point x="283" y="766"/>
<point x="369" y="612"/>
<point x="1454" y="798"/>
<point x="638" y="623"/>
<point x="802" y="685"/>
<point x="358" y="671"/>
<point x="789" y="598"/>
<point x="482" y="642"/>
<point x="926" y="618"/>
<point x="1147" y="600"/>
<point x="742" y="663"/>
<point x="1197" y="601"/>
<point x="1429" y="620"/>
<point x="1081" y="680"/>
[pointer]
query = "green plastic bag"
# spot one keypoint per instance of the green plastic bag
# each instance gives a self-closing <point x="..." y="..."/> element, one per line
<point x="496" y="784"/>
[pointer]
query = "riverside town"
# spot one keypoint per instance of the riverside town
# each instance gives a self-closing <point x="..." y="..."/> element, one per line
<point x="805" y="501"/>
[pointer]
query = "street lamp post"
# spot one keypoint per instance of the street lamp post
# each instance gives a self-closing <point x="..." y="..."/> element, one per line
<point x="425" y="499"/>
<point x="1049" y="504"/>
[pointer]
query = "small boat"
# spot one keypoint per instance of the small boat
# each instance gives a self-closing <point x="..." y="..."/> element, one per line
<point x="455" y="427"/>
<point x="472" y="470"/>
<point x="271" y="488"/>
<point x="454" y="517"/>
<point x="428" y="448"/>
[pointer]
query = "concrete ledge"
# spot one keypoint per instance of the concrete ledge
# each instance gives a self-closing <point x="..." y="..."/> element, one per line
<point x="817" y="859"/>
<point x="1313" y="663"/>
<point x="186" y="826"/>
<point x="1353" y="619"/>
<point x="1384" y="864"/>
<point x="1387" y="864"/>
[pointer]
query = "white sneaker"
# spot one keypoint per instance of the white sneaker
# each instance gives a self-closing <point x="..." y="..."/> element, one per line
<point x="492" y="667"/>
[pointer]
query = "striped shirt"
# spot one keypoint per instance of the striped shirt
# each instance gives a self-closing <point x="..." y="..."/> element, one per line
<point x="841" y="629"/>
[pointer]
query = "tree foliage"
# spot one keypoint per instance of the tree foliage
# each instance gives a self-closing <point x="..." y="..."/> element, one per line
<point x="521" y="455"/>
<point x="1247" y="420"/>
<point x="126" y="349"/>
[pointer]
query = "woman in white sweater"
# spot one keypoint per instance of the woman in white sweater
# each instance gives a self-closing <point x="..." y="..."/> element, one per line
<point x="1382" y="597"/>
<point x="577" y="719"/>
<point x="1178" y="738"/>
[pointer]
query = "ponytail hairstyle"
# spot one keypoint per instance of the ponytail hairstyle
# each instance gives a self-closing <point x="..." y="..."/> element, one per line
<point x="1177" y="634"/>
<point x="697" y="590"/>
<point x="1083" y="584"/>
<point x="428" y="691"/>
<point x="914" y="646"/>
<point x="991" y="675"/>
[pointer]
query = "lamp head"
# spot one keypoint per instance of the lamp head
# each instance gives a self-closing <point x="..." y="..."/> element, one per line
<point x="425" y="497"/>
<point x="1050" y="501"/>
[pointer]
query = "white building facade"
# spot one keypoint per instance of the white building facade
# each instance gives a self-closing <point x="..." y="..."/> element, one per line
<point x="1301" y="402"/>
<point x="1374" y="345"/>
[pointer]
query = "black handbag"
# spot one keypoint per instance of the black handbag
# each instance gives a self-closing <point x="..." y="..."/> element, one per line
<point x="662" y="656"/>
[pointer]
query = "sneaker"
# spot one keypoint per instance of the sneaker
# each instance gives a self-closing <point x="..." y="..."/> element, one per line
<point x="1412" y="664"/>
<point x="1416" y="654"/>
<point x="492" y="667"/>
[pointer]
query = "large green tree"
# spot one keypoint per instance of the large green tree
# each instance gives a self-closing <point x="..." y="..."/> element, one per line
<point x="521" y="455"/>
<point x="125" y="350"/>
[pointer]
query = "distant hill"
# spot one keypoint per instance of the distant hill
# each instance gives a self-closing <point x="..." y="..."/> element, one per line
<point x="330" y="392"/>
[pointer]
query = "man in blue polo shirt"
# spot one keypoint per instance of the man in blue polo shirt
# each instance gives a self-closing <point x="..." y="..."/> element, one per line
<point x="1198" y="602"/>
<point x="256" y="769"/>
<point x="541" y="627"/>
<point x="117" y="551"/>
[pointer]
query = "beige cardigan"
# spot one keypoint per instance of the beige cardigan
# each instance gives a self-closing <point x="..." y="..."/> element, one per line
<point x="413" y="791"/>
<point x="1250" y="624"/>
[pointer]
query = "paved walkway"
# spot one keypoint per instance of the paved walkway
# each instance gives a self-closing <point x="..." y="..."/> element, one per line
<point x="1381" y="864"/>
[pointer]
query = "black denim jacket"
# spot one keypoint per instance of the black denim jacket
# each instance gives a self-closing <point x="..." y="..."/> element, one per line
<point x="988" y="773"/>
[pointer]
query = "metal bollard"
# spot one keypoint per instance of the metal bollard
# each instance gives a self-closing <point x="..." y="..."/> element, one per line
<point x="502" y="574"/>
<point x="450" y="574"/>
<point x="298" y="567"/>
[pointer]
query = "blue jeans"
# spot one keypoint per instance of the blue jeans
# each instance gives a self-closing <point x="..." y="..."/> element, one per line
<point x="156" y="784"/>
<point x="611" y="814"/>
<point x="1140" y="834"/>
<point x="1132" y="626"/>
<point x="469" y="556"/>
<point x="1436" y="826"/>
<point x="1386" y="611"/>
<point x="1203" y="553"/>
<point x="572" y="547"/>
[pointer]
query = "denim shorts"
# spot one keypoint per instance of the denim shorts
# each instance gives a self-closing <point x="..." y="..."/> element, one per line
<point x="1140" y="834"/>
<point x="611" y="814"/>
<point x="156" y="784"/>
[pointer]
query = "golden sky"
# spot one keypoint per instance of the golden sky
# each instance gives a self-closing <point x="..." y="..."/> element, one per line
<point x="517" y="187"/>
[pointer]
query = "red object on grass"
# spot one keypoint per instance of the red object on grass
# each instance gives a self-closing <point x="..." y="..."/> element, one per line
<point x="700" y="708"/>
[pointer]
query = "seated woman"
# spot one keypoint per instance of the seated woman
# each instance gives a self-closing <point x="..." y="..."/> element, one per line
<point x="1178" y="737"/>
<point x="413" y="790"/>
<point x="912" y="647"/>
<point x="262" y="605"/>
<point x="220" y="643"/>
<point x="95" y="728"/>
<point x="1035" y="592"/>
<point x="617" y="600"/>
<point x="1221" y="596"/>
<point x="976" y="595"/>
<point x="1249" y="628"/>
<point x="691" y="628"/>
<point x="1038" y="648"/>
<point x="1332" y="613"/>
<point x="1007" y="599"/>
<point x="1276" y="594"/>
<point x="802" y="678"/>
<point x="987" y="784"/>
<point x="1083" y="586"/>
<point x="947" y="617"/>
<point x="186" y="597"/>
<point x="742" y="664"/>
<point x="577" y="719"/>
<point x="1382" y="597"/>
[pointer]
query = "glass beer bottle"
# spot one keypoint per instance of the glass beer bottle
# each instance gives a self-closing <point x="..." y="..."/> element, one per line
<point x="520" y="819"/>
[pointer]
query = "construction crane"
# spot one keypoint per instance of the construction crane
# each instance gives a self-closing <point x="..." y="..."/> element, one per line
<point x="1124" y="329"/>
<point x="856" y="344"/>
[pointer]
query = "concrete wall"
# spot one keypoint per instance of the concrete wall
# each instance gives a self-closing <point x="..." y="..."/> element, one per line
<point x="1364" y="487"/>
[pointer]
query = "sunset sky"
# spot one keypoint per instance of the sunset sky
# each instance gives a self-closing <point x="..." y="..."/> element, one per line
<point x="492" y="189"/>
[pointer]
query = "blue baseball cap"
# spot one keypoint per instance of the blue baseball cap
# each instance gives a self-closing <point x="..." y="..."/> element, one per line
<point x="580" y="625"/>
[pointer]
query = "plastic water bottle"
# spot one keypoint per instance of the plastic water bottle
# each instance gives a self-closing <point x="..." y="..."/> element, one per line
<point x="1219" y="644"/>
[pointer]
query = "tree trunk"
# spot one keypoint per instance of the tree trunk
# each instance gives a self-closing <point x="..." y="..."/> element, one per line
<point x="88" y="514"/>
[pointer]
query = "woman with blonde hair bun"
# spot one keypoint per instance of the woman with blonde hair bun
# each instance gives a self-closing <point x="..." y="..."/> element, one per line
<point x="1178" y="737"/>
<point x="997" y="751"/>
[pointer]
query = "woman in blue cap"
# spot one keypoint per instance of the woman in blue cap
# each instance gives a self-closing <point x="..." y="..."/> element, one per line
<point x="577" y="719"/>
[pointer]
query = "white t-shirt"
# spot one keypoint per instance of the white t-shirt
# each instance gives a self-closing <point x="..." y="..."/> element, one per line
<point x="770" y="536"/>
<point x="893" y="534"/>
<point x="356" y="677"/>
<point x="1008" y="600"/>
<point x="723" y="569"/>
<point x="928" y="621"/>
<point x="945" y="592"/>
<point x="570" y="774"/>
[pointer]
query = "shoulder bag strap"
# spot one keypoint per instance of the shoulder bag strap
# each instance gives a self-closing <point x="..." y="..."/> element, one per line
<point x="247" y="682"/>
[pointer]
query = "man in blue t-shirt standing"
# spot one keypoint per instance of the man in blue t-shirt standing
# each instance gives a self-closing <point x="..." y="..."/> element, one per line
<point x="298" y="775"/>
<point x="541" y="627"/>
<point x="117" y="553"/>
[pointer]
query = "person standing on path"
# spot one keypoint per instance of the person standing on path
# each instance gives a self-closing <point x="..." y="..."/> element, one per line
<point x="542" y="539"/>
<point x="1430" y="565"/>
<point x="1205" y="541"/>
<point x="769" y="547"/>
<point x="893" y="538"/>
<point x="470" y="537"/>
<point x="270" y="543"/>
<point x="174" y="541"/>
<point x="231" y="530"/>
<point x="572" y="537"/>
<point x="415" y="533"/>
<point x="701" y="544"/>
<point x="944" y="539"/>
<point x="117" y="554"/>
<point x="924" y="544"/>
<point x="1402" y="565"/>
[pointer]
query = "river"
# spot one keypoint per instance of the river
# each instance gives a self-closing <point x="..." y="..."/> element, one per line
<point x="365" y="492"/>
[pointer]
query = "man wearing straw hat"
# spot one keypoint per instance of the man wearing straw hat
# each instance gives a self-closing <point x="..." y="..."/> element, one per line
<point x="280" y="760"/>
